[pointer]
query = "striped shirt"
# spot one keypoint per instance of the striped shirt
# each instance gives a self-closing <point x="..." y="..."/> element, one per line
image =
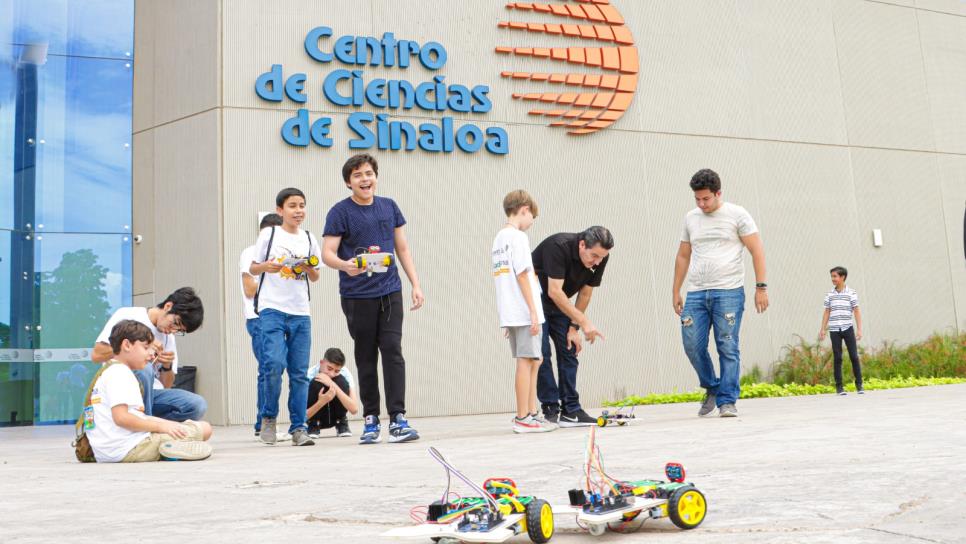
<point x="841" y="305"/>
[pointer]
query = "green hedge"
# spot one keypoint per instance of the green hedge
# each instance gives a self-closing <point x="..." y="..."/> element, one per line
<point x="937" y="356"/>
<point x="762" y="390"/>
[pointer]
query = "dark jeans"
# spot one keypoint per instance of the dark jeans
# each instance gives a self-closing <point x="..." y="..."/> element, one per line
<point x="554" y="398"/>
<point x="375" y="325"/>
<point x="333" y="412"/>
<point x="849" y="336"/>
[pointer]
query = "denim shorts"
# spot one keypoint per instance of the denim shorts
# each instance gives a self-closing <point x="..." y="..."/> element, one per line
<point x="523" y="345"/>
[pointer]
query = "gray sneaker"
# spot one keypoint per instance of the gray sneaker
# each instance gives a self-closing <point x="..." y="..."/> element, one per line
<point x="728" y="410"/>
<point x="708" y="406"/>
<point x="267" y="434"/>
<point x="301" y="438"/>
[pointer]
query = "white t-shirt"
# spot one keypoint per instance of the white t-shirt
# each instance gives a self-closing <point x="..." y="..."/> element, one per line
<point x="110" y="441"/>
<point x="284" y="290"/>
<point x="717" y="253"/>
<point x="244" y="263"/>
<point x="511" y="256"/>
<point x="141" y="315"/>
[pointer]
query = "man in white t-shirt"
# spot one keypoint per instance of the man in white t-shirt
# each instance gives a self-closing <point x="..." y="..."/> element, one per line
<point x="286" y="260"/>
<point x="181" y="312"/>
<point x="115" y="423"/>
<point x="249" y="286"/>
<point x="711" y="253"/>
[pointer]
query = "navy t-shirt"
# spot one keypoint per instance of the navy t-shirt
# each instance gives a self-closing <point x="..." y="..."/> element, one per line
<point x="361" y="227"/>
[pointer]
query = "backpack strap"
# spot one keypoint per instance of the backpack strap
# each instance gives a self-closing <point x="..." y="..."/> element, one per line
<point x="308" y="288"/>
<point x="261" y="277"/>
<point x="79" y="426"/>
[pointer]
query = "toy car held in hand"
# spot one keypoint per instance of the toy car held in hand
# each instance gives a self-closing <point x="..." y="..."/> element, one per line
<point x="605" y="503"/>
<point x="374" y="260"/>
<point x="497" y="513"/>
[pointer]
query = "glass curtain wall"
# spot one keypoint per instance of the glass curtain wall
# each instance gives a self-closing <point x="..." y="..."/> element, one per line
<point x="66" y="71"/>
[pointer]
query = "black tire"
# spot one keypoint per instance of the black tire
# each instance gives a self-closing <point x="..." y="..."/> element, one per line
<point x="537" y="512"/>
<point x="693" y="504"/>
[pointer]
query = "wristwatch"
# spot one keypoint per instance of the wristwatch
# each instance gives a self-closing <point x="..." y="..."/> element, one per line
<point x="162" y="368"/>
<point x="575" y="326"/>
<point x="761" y="285"/>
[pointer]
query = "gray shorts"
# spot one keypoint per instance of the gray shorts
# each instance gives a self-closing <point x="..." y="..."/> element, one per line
<point x="523" y="345"/>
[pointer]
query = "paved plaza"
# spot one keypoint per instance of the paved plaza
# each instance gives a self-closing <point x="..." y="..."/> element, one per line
<point x="887" y="467"/>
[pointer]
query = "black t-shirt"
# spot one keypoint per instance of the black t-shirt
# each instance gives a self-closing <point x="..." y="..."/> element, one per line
<point x="557" y="257"/>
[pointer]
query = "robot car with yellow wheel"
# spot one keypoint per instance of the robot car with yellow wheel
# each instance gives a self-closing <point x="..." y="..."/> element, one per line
<point x="497" y="513"/>
<point x="604" y="503"/>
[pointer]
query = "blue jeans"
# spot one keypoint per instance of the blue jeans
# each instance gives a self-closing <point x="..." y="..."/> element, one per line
<point x="721" y="309"/>
<point x="553" y="398"/>
<point x="171" y="404"/>
<point x="285" y="343"/>
<point x="252" y="326"/>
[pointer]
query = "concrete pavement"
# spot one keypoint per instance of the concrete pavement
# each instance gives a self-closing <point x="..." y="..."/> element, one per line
<point x="887" y="467"/>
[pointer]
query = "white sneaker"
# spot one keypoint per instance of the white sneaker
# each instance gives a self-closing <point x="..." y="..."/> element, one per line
<point x="549" y="425"/>
<point x="283" y="437"/>
<point x="528" y="425"/>
<point x="185" y="450"/>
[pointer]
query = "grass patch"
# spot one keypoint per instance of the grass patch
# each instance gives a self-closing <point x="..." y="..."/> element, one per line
<point x="763" y="390"/>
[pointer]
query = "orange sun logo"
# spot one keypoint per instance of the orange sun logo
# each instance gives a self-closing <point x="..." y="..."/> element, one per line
<point x="613" y="87"/>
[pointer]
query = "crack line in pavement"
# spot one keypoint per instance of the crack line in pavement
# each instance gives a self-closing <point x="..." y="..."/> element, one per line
<point x="924" y="539"/>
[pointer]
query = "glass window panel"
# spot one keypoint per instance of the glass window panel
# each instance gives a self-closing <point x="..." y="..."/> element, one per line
<point x="83" y="279"/>
<point x="90" y="28"/>
<point x="61" y="388"/>
<point x="17" y="393"/>
<point x="84" y="150"/>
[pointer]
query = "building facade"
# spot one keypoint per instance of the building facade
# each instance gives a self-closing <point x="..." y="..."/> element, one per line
<point x="827" y="120"/>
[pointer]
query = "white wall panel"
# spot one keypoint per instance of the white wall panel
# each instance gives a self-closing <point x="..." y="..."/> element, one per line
<point x="177" y="45"/>
<point x="883" y="81"/>
<point x="899" y="192"/>
<point x="944" y="56"/>
<point x="952" y="173"/>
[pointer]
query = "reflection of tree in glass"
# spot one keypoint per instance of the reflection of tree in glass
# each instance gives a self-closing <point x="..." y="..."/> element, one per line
<point x="4" y="335"/>
<point x="73" y="301"/>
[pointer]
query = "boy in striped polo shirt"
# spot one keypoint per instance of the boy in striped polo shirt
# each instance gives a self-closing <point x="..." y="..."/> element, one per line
<point x="840" y="304"/>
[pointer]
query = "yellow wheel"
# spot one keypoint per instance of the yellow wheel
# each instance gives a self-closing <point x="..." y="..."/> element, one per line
<point x="360" y="262"/>
<point x="601" y="421"/>
<point x="297" y="270"/>
<point x="539" y="521"/>
<point x="313" y="260"/>
<point x="687" y="507"/>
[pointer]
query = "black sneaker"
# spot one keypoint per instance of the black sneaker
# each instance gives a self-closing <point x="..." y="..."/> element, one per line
<point x="342" y="428"/>
<point x="840" y="391"/>
<point x="576" y="419"/>
<point x="551" y="415"/>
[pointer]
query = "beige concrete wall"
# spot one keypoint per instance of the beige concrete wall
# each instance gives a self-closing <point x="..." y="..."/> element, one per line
<point x="825" y="119"/>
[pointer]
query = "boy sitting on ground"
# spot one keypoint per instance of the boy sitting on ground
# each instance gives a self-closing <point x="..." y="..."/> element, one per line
<point x="121" y="432"/>
<point x="330" y="395"/>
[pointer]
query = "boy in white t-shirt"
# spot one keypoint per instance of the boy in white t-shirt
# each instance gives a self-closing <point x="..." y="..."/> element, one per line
<point x="286" y="260"/>
<point x="249" y="285"/>
<point x="521" y="316"/>
<point x="120" y="431"/>
<point x="841" y="305"/>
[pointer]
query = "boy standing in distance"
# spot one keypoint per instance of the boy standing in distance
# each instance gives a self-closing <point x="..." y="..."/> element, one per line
<point x="521" y="317"/>
<point x="331" y="396"/>
<point x="249" y="285"/>
<point x="840" y="304"/>
<point x="120" y="432"/>
<point x="282" y="263"/>
<point x="372" y="304"/>
<point x="711" y="253"/>
<point x="180" y="313"/>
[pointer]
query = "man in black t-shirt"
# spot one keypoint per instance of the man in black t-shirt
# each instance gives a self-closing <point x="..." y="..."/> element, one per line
<point x="568" y="264"/>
